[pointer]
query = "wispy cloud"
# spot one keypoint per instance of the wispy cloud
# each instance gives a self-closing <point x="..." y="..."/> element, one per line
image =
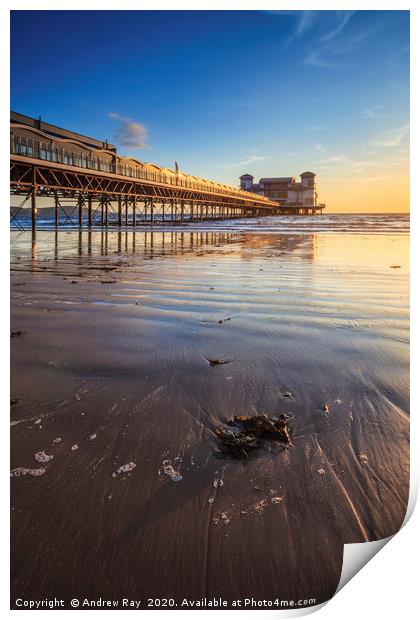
<point x="339" y="21"/>
<point x="319" y="147"/>
<point x="325" y="29"/>
<point x="393" y="137"/>
<point x="329" y="23"/>
<point x="337" y="161"/>
<point x="374" y="112"/>
<point x="341" y="162"/>
<point x="334" y="159"/>
<point x="129" y="132"/>
<point x="250" y="160"/>
<point x="306" y="20"/>
<point x="335" y="51"/>
<point x="332" y="45"/>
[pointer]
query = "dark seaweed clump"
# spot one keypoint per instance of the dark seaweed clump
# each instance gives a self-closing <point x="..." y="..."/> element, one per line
<point x="243" y="435"/>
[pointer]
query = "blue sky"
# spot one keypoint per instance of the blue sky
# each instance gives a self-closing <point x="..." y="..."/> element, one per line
<point x="224" y="92"/>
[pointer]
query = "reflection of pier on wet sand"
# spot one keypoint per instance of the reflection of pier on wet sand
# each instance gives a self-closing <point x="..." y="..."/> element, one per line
<point x="54" y="244"/>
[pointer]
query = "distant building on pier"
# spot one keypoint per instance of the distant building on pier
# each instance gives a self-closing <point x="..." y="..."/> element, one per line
<point x="295" y="196"/>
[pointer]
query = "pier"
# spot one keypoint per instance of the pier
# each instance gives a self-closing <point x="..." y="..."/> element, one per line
<point x="86" y="183"/>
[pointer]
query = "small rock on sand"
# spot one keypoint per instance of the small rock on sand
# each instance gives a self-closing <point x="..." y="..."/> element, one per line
<point x="126" y="468"/>
<point x="321" y="471"/>
<point x="276" y="500"/>
<point x="57" y="440"/>
<point x="17" y="334"/>
<point x="41" y="457"/>
<point x="287" y="394"/>
<point x="363" y="458"/>
<point x="170" y="472"/>
<point x="217" y="362"/>
<point x="75" y="447"/>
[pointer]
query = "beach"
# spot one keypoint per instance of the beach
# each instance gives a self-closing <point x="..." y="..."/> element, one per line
<point x="130" y="350"/>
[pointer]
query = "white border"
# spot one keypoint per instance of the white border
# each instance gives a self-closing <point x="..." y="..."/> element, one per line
<point x="387" y="586"/>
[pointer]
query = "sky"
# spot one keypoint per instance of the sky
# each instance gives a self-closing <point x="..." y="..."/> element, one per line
<point x="223" y="93"/>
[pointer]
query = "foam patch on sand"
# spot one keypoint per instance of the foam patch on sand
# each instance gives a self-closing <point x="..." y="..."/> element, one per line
<point x="23" y="471"/>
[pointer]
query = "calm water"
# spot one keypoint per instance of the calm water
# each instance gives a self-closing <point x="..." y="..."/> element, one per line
<point x="351" y="223"/>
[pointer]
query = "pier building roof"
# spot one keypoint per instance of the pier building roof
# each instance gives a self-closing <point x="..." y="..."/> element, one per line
<point x="59" y="132"/>
<point x="276" y="180"/>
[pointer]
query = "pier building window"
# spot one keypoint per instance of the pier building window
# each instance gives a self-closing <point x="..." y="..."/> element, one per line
<point x="24" y="149"/>
<point x="45" y="152"/>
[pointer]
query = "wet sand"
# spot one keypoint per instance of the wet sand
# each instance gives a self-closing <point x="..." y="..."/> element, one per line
<point x="112" y="370"/>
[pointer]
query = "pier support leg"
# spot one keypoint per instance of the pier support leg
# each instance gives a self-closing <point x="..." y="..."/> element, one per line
<point x="106" y="212"/>
<point x="126" y="210"/>
<point x="33" y="209"/>
<point x="119" y="212"/>
<point x="80" y="209"/>
<point x="134" y="210"/>
<point x="90" y="219"/>
<point x="182" y="211"/>
<point x="152" y="212"/>
<point x="56" y="210"/>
